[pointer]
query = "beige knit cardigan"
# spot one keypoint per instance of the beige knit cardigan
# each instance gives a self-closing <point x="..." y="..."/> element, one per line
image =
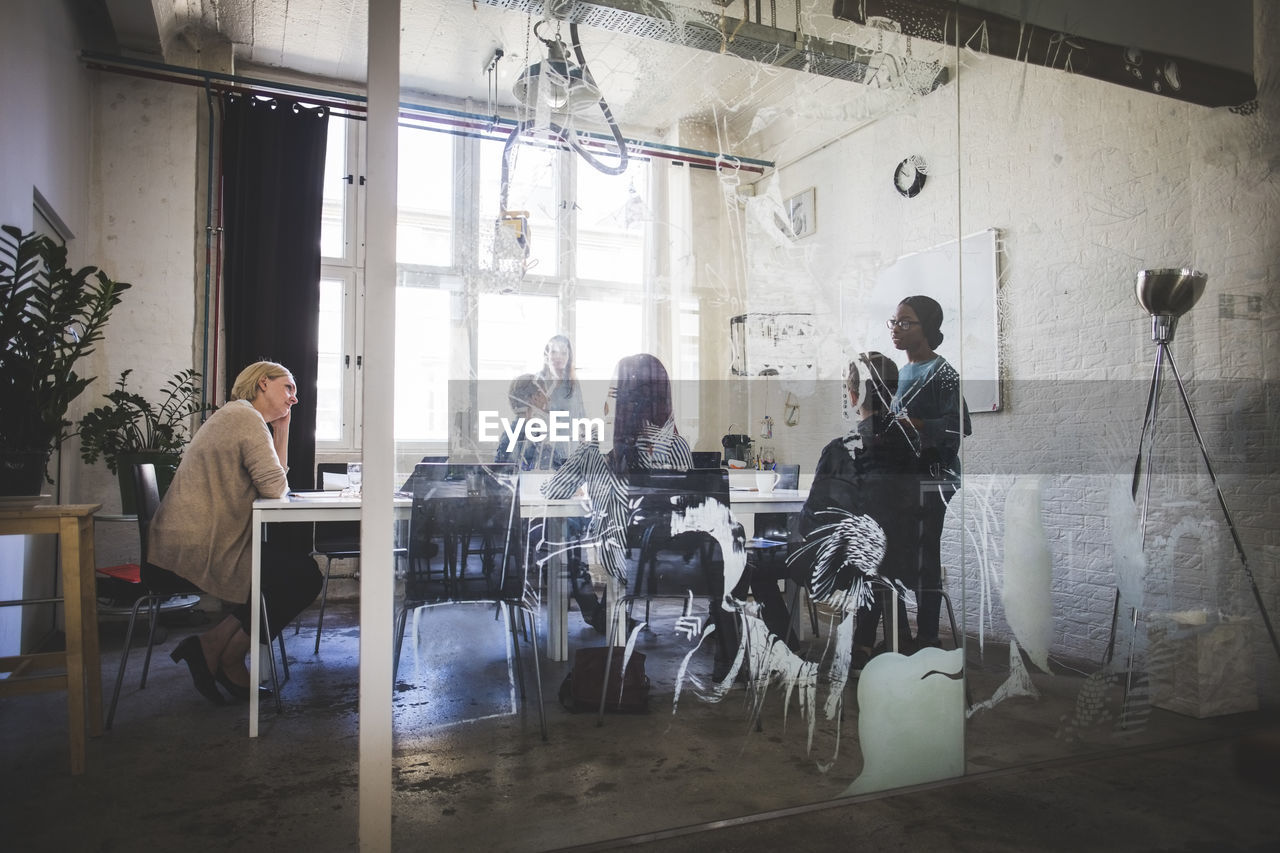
<point x="202" y="529"/>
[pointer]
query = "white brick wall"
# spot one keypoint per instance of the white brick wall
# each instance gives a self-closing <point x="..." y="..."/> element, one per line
<point x="143" y="197"/>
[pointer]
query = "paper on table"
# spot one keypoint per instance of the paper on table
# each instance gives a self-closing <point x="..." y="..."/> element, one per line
<point x="317" y="495"/>
<point x="332" y="480"/>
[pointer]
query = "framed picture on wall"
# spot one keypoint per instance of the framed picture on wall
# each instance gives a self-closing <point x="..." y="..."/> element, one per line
<point x="803" y="213"/>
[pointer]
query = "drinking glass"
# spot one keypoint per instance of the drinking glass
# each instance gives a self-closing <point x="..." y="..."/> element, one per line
<point x="355" y="475"/>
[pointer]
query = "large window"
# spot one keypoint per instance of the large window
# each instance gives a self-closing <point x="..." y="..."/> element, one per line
<point x="612" y="216"/>
<point x="335" y="395"/>
<point x="424" y="227"/>
<point x="513" y="330"/>
<point x="422" y="363"/>
<point x="464" y="310"/>
<point x="337" y="219"/>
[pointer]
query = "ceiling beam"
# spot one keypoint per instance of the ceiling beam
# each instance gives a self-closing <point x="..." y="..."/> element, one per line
<point x="986" y="32"/>
<point x="756" y="42"/>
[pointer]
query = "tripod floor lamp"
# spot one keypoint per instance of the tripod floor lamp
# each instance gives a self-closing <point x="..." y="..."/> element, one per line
<point x="1167" y="294"/>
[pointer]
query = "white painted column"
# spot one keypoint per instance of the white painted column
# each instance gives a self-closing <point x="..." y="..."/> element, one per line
<point x="377" y="574"/>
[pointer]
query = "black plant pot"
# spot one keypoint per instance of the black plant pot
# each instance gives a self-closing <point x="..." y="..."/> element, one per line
<point x="22" y="471"/>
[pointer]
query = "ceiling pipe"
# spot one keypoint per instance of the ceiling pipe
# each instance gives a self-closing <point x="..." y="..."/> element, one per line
<point x="349" y="105"/>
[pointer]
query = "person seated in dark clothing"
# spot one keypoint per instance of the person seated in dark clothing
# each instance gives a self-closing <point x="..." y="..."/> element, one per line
<point x="873" y="471"/>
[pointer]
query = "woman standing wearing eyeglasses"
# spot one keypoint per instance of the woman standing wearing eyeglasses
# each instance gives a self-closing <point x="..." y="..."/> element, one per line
<point x="929" y="399"/>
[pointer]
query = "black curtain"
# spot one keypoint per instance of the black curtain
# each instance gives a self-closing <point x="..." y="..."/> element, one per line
<point x="273" y="176"/>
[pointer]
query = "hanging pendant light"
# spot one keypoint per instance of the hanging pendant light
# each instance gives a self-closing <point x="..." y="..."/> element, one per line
<point x="557" y="80"/>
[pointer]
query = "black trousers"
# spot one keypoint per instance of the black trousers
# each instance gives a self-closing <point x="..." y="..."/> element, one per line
<point x="290" y="582"/>
<point x="765" y="567"/>
<point x="930" y="601"/>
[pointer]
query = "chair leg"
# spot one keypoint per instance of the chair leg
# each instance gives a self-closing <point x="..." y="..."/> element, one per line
<point x="284" y="658"/>
<point x="537" y="671"/>
<point x="955" y="638"/>
<point x="153" y="616"/>
<point x="797" y="590"/>
<point x="324" y="596"/>
<point x="611" y="630"/>
<point x="271" y="658"/>
<point x="514" y="630"/>
<point x="124" y="659"/>
<point x="401" y="618"/>
<point x="951" y="617"/>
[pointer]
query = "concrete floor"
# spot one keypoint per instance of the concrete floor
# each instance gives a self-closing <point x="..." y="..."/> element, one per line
<point x="472" y="773"/>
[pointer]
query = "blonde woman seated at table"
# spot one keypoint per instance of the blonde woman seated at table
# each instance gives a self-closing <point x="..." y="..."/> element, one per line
<point x="203" y="528"/>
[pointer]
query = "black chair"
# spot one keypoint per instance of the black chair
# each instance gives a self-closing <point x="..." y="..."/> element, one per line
<point x="426" y="535"/>
<point x="656" y="490"/>
<point x="657" y="497"/>
<point x="706" y="459"/>
<point x="161" y="585"/>
<point x="781" y="528"/>
<point x="431" y="467"/>
<point x="482" y="505"/>
<point x="334" y="540"/>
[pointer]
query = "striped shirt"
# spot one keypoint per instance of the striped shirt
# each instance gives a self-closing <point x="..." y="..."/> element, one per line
<point x="657" y="448"/>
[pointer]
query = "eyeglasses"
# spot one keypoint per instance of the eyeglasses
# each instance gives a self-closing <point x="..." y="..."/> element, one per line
<point x="900" y="325"/>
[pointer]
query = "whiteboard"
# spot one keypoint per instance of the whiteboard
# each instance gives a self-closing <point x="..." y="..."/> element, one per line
<point x="963" y="276"/>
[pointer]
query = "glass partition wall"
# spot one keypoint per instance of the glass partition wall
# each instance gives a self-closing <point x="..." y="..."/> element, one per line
<point x="1113" y="581"/>
<point x="978" y="220"/>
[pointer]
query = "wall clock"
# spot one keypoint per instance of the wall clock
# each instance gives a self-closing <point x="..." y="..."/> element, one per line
<point x="909" y="177"/>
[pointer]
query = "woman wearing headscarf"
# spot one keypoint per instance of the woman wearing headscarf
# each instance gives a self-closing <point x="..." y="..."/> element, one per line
<point x="929" y="403"/>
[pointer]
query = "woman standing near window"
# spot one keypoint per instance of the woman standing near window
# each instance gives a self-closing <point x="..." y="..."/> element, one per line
<point x="928" y="398"/>
<point x="558" y="390"/>
<point x="558" y="380"/>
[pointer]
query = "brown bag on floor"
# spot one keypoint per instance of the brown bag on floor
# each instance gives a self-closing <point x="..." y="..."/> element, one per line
<point x="580" y="690"/>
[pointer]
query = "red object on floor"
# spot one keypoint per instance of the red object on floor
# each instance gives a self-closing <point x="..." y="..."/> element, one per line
<point x="129" y="572"/>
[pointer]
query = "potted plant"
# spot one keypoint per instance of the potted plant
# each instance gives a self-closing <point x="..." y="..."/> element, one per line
<point x="50" y="317"/>
<point x="130" y="429"/>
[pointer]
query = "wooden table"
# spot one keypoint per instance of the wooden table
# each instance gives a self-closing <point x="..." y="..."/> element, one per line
<point x="82" y="675"/>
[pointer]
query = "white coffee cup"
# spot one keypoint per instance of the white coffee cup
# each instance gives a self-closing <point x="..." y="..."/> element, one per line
<point x="766" y="481"/>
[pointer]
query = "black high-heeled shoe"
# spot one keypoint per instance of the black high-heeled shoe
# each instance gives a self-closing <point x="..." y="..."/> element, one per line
<point x="190" y="651"/>
<point x="239" y="691"/>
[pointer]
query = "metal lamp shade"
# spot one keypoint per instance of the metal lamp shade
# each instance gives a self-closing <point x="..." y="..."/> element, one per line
<point x="566" y="88"/>
<point x="1167" y="294"/>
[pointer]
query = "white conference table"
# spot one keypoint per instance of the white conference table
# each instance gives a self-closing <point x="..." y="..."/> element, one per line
<point x="310" y="509"/>
<point x="745" y="503"/>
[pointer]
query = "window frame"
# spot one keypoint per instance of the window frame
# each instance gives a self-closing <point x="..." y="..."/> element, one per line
<point x="465" y="278"/>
